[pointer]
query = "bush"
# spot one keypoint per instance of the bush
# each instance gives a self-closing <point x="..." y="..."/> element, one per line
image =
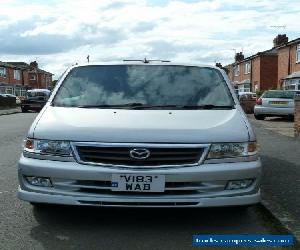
<point x="259" y="93"/>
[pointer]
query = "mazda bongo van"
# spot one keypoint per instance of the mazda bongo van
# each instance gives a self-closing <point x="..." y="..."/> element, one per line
<point x="141" y="134"/>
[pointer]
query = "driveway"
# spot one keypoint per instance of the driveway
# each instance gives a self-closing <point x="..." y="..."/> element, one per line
<point x="282" y="126"/>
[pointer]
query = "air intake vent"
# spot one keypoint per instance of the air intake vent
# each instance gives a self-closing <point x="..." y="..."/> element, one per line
<point x="139" y="204"/>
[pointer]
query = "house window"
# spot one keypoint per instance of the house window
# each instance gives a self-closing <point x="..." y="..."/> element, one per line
<point x="9" y="90"/>
<point x="247" y="87"/>
<point x="236" y="70"/>
<point x="244" y="87"/>
<point x="298" y="54"/>
<point x="2" y="72"/>
<point x="291" y="84"/>
<point x="247" y="68"/>
<point x="32" y="77"/>
<point x="17" y="74"/>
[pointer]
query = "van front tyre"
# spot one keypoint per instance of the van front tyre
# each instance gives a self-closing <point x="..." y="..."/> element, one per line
<point x="38" y="205"/>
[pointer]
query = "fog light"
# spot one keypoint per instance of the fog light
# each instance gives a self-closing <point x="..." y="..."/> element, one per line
<point x="39" y="181"/>
<point x="239" y="184"/>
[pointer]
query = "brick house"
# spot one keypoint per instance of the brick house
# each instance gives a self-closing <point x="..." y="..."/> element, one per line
<point x="256" y="72"/>
<point x="17" y="77"/>
<point x="289" y="65"/>
<point x="278" y="67"/>
<point x="11" y="79"/>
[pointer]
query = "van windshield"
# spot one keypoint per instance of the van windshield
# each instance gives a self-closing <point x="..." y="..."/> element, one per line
<point x="151" y="85"/>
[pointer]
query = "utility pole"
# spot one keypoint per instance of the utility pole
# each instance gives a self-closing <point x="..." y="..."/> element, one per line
<point x="278" y="27"/>
<point x="234" y="53"/>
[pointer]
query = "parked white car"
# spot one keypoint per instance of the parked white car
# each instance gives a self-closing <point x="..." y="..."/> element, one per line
<point x="141" y="134"/>
<point x="275" y="103"/>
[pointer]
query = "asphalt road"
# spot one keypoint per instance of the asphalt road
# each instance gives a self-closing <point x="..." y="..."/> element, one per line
<point x="56" y="227"/>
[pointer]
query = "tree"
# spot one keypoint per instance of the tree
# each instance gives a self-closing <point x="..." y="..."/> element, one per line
<point x="53" y="83"/>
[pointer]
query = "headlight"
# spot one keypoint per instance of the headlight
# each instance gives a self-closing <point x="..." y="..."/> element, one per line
<point x="229" y="150"/>
<point x="47" y="147"/>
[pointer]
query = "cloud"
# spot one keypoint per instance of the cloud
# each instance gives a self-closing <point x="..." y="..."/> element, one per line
<point x="143" y="27"/>
<point x="115" y="5"/>
<point x="63" y="32"/>
<point x="25" y="43"/>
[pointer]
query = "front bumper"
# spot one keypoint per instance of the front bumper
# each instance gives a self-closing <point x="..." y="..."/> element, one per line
<point x="207" y="189"/>
<point x="141" y="202"/>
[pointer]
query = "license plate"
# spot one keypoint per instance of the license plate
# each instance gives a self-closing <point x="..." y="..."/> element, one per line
<point x="138" y="183"/>
<point x="278" y="103"/>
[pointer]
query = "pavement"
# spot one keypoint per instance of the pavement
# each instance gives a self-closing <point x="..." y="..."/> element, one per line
<point x="10" y="111"/>
<point x="280" y="155"/>
<point x="62" y="227"/>
<point x="282" y="126"/>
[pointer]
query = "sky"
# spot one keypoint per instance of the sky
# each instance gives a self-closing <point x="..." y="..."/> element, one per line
<point x="60" y="33"/>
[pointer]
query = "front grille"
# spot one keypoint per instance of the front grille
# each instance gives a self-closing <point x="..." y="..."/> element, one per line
<point x="90" y="184"/>
<point x="98" y="187"/>
<point x="109" y="192"/>
<point x="121" y="155"/>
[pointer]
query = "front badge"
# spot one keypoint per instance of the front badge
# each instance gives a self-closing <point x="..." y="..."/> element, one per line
<point x="139" y="153"/>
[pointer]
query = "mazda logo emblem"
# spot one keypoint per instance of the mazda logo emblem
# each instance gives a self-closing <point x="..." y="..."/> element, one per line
<point x="139" y="153"/>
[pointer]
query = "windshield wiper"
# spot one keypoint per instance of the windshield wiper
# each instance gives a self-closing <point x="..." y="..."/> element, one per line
<point x="207" y="106"/>
<point x="126" y="105"/>
<point x="133" y="105"/>
<point x="155" y="107"/>
<point x="137" y="105"/>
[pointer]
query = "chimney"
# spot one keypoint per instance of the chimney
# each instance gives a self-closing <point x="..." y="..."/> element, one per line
<point x="239" y="57"/>
<point x="280" y="39"/>
<point x="34" y="64"/>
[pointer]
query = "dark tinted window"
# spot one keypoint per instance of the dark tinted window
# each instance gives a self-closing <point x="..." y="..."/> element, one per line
<point x="149" y="85"/>
<point x="279" y="94"/>
<point x="36" y="94"/>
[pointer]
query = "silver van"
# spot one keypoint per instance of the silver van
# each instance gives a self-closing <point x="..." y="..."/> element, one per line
<point x="141" y="134"/>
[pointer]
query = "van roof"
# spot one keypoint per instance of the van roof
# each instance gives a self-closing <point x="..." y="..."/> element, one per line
<point x="142" y="62"/>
